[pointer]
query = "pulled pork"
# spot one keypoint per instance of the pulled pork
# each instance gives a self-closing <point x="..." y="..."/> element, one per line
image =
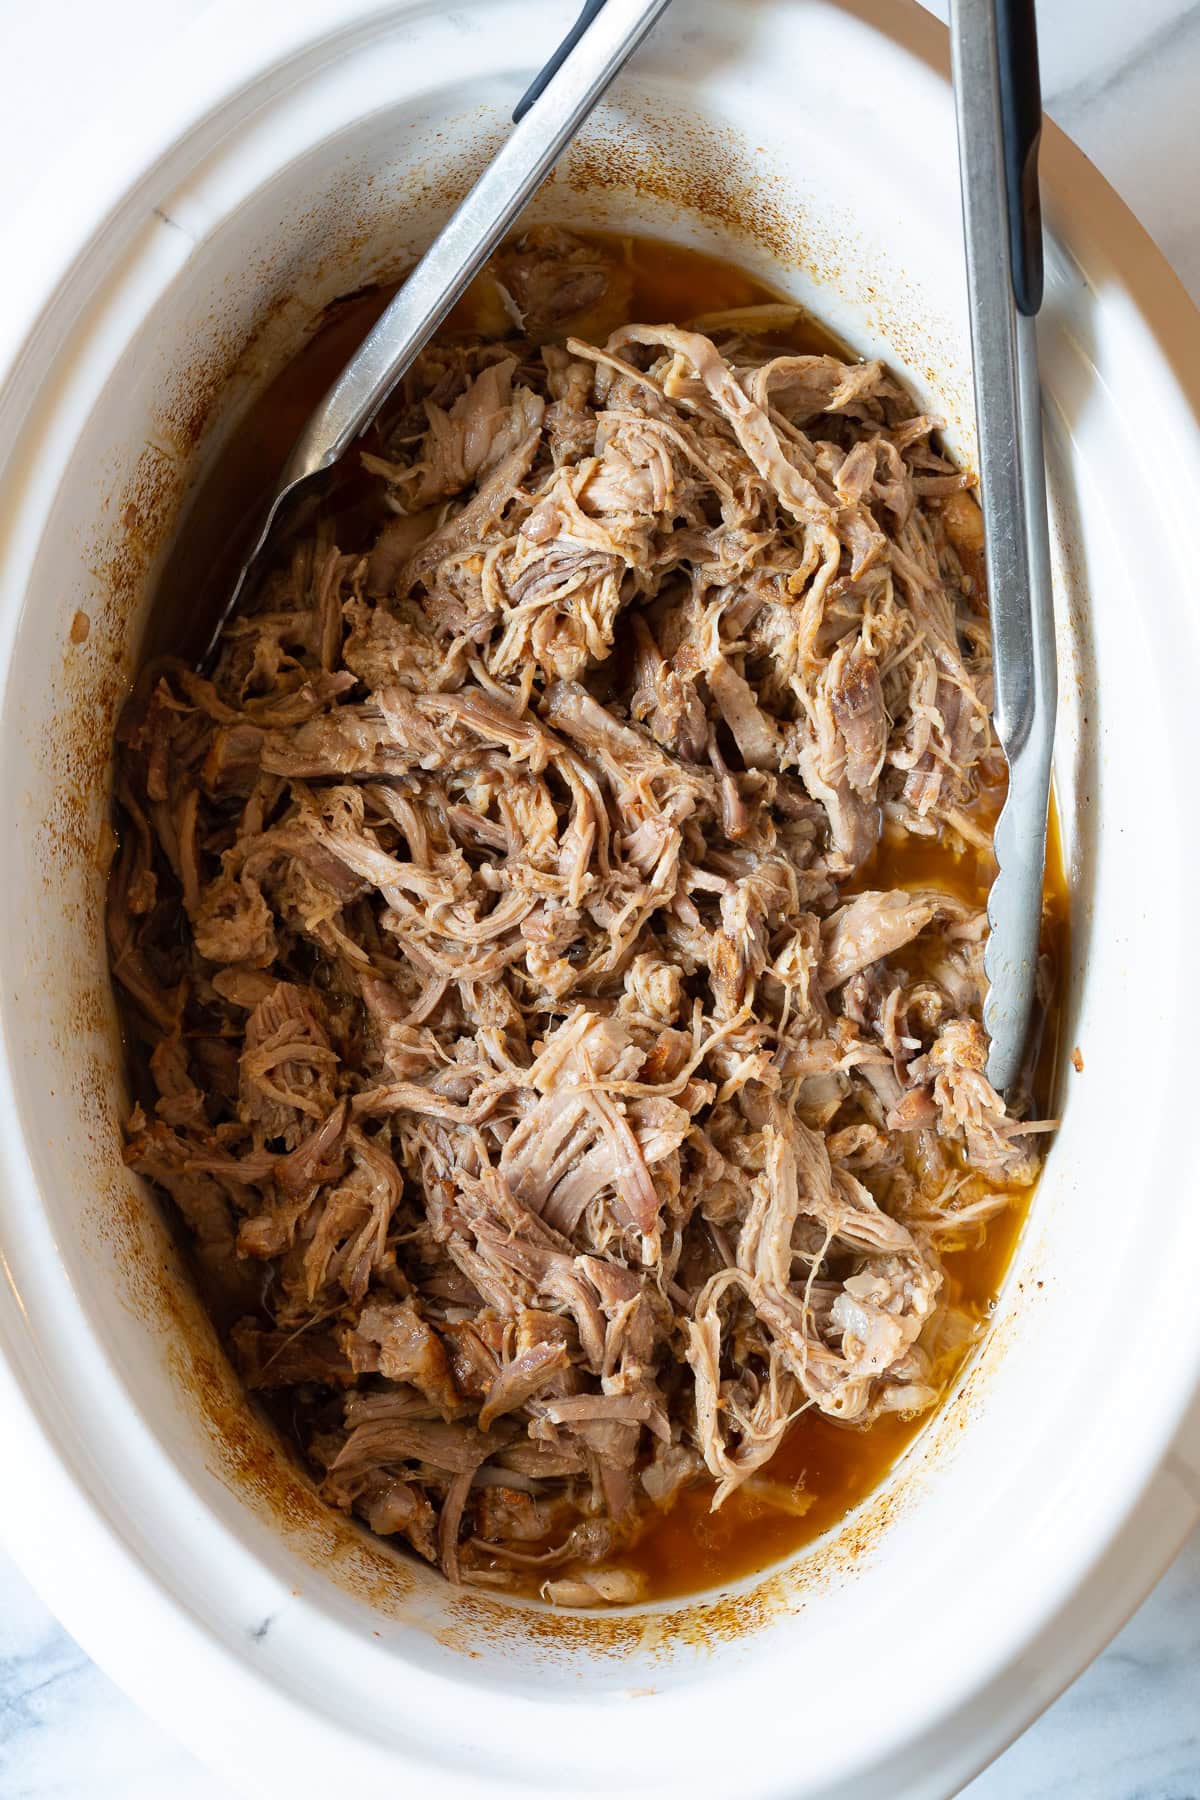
<point x="554" y="1106"/>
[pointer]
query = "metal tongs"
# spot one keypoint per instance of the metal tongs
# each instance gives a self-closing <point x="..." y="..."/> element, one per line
<point x="546" y="118"/>
<point x="998" y="100"/>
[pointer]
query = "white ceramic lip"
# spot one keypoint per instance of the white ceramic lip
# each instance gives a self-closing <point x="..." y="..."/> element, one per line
<point x="173" y="1629"/>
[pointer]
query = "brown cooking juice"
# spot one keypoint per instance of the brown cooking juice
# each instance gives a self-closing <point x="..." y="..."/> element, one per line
<point x="822" y="1468"/>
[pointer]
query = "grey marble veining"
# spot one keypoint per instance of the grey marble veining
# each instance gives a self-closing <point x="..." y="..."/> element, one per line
<point x="1123" y="78"/>
<point x="1129" y="1728"/>
<point x="1155" y="164"/>
<point x="66" y="1733"/>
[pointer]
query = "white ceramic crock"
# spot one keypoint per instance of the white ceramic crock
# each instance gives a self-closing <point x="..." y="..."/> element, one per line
<point x="285" y="155"/>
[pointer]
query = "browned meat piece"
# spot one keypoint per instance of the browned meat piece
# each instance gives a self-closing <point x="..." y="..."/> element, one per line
<point x="570" y="422"/>
<point x="410" y="1350"/>
<point x="555" y="1074"/>
<point x="964" y="527"/>
<point x="666" y="701"/>
<point x="803" y="387"/>
<point x="233" y="922"/>
<point x="519" y="1380"/>
<point x="347" y="1223"/>
<point x="552" y="276"/>
<point x="352" y="740"/>
<point x="857" y="701"/>
<point x="396" y="646"/>
<point x="478" y="518"/>
<point x="483" y="426"/>
<point x="279" y="1359"/>
<point x="756" y="736"/>
<point x="384" y="1443"/>
<point x="872" y="926"/>
<point x="574" y="1150"/>
<point x="608" y="1409"/>
<point x="506" y="1515"/>
<point x="473" y="1347"/>
<point x="390" y="1506"/>
<point x="232" y="763"/>
<point x="204" y="1202"/>
<point x="389" y="556"/>
<point x="999" y="1147"/>
<point x="672" y="1467"/>
<point x="287" y="1065"/>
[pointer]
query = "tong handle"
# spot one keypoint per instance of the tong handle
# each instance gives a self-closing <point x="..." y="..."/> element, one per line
<point x="546" y="75"/>
<point x="1021" y="126"/>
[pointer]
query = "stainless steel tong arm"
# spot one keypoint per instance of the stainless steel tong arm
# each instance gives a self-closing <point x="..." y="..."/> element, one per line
<point x="992" y="47"/>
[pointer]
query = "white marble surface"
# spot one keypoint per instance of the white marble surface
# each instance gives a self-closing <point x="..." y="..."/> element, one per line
<point x="1123" y="78"/>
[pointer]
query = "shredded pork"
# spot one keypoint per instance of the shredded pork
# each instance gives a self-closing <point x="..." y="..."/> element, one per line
<point x="555" y="1106"/>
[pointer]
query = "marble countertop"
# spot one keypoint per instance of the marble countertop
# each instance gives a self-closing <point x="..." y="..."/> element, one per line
<point x="1123" y="81"/>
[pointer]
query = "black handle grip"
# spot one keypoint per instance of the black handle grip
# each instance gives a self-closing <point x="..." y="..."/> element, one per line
<point x="556" y="62"/>
<point x="1021" y="122"/>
